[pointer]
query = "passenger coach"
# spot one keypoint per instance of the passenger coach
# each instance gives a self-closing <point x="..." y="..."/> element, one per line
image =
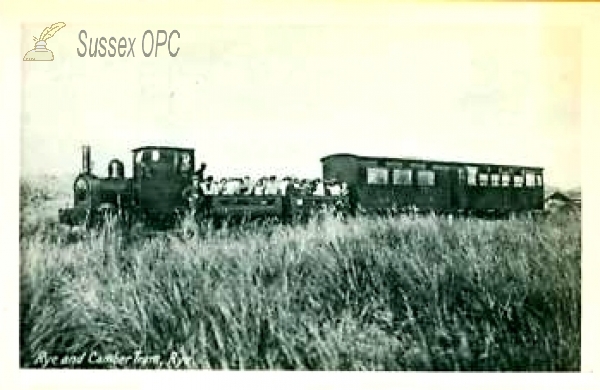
<point x="381" y="183"/>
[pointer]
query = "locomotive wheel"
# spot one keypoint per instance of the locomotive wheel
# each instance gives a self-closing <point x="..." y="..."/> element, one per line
<point x="107" y="210"/>
<point x="109" y="214"/>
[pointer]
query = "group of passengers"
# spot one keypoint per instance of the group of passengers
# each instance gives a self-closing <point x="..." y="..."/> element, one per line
<point x="270" y="186"/>
<point x="263" y="186"/>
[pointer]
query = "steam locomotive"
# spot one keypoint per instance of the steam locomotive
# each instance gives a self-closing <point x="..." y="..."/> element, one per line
<point x="375" y="184"/>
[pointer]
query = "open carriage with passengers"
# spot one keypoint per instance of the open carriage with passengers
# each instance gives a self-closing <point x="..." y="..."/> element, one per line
<point x="165" y="186"/>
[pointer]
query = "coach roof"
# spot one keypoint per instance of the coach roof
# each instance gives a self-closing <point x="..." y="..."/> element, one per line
<point x="425" y="161"/>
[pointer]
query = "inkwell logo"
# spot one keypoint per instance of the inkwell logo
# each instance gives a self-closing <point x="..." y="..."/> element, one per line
<point x="40" y="53"/>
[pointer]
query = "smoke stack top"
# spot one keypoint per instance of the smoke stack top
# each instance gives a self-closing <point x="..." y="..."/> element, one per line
<point x="86" y="159"/>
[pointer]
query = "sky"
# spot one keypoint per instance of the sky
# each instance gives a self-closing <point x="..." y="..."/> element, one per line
<point x="273" y="98"/>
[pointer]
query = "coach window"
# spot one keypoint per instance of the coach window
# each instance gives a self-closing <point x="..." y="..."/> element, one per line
<point x="185" y="162"/>
<point x="529" y="179"/>
<point x="518" y="180"/>
<point x="377" y="176"/>
<point x="495" y="179"/>
<point x="505" y="179"/>
<point x="539" y="180"/>
<point x="472" y="176"/>
<point x="483" y="179"/>
<point x="426" y="178"/>
<point x="155" y="155"/>
<point x="402" y="177"/>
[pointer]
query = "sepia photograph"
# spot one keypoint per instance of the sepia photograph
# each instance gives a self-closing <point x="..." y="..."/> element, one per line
<point x="388" y="188"/>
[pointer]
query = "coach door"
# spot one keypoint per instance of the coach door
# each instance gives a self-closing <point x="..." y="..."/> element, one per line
<point x="376" y="193"/>
<point x="506" y="190"/>
<point x="456" y="187"/>
<point x="443" y="195"/>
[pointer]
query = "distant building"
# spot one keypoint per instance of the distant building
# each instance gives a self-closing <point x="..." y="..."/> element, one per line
<point x="559" y="201"/>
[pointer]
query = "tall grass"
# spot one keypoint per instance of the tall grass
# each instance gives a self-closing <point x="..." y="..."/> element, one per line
<point x="366" y="294"/>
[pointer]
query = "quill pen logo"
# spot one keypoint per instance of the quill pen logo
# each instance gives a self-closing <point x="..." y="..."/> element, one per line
<point x="40" y="52"/>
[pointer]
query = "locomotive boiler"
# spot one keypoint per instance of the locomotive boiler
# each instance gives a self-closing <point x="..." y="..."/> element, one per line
<point x="94" y="196"/>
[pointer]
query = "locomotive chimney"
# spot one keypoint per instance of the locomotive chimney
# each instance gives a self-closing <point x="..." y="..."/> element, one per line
<point x="85" y="162"/>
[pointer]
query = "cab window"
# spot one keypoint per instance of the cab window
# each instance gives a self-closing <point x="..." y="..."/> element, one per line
<point x="142" y="162"/>
<point x="183" y="162"/>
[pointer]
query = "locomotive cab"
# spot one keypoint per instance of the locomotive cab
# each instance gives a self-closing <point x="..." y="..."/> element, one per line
<point x="160" y="174"/>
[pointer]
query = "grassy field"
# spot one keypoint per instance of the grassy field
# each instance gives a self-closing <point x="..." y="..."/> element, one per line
<point x="367" y="294"/>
